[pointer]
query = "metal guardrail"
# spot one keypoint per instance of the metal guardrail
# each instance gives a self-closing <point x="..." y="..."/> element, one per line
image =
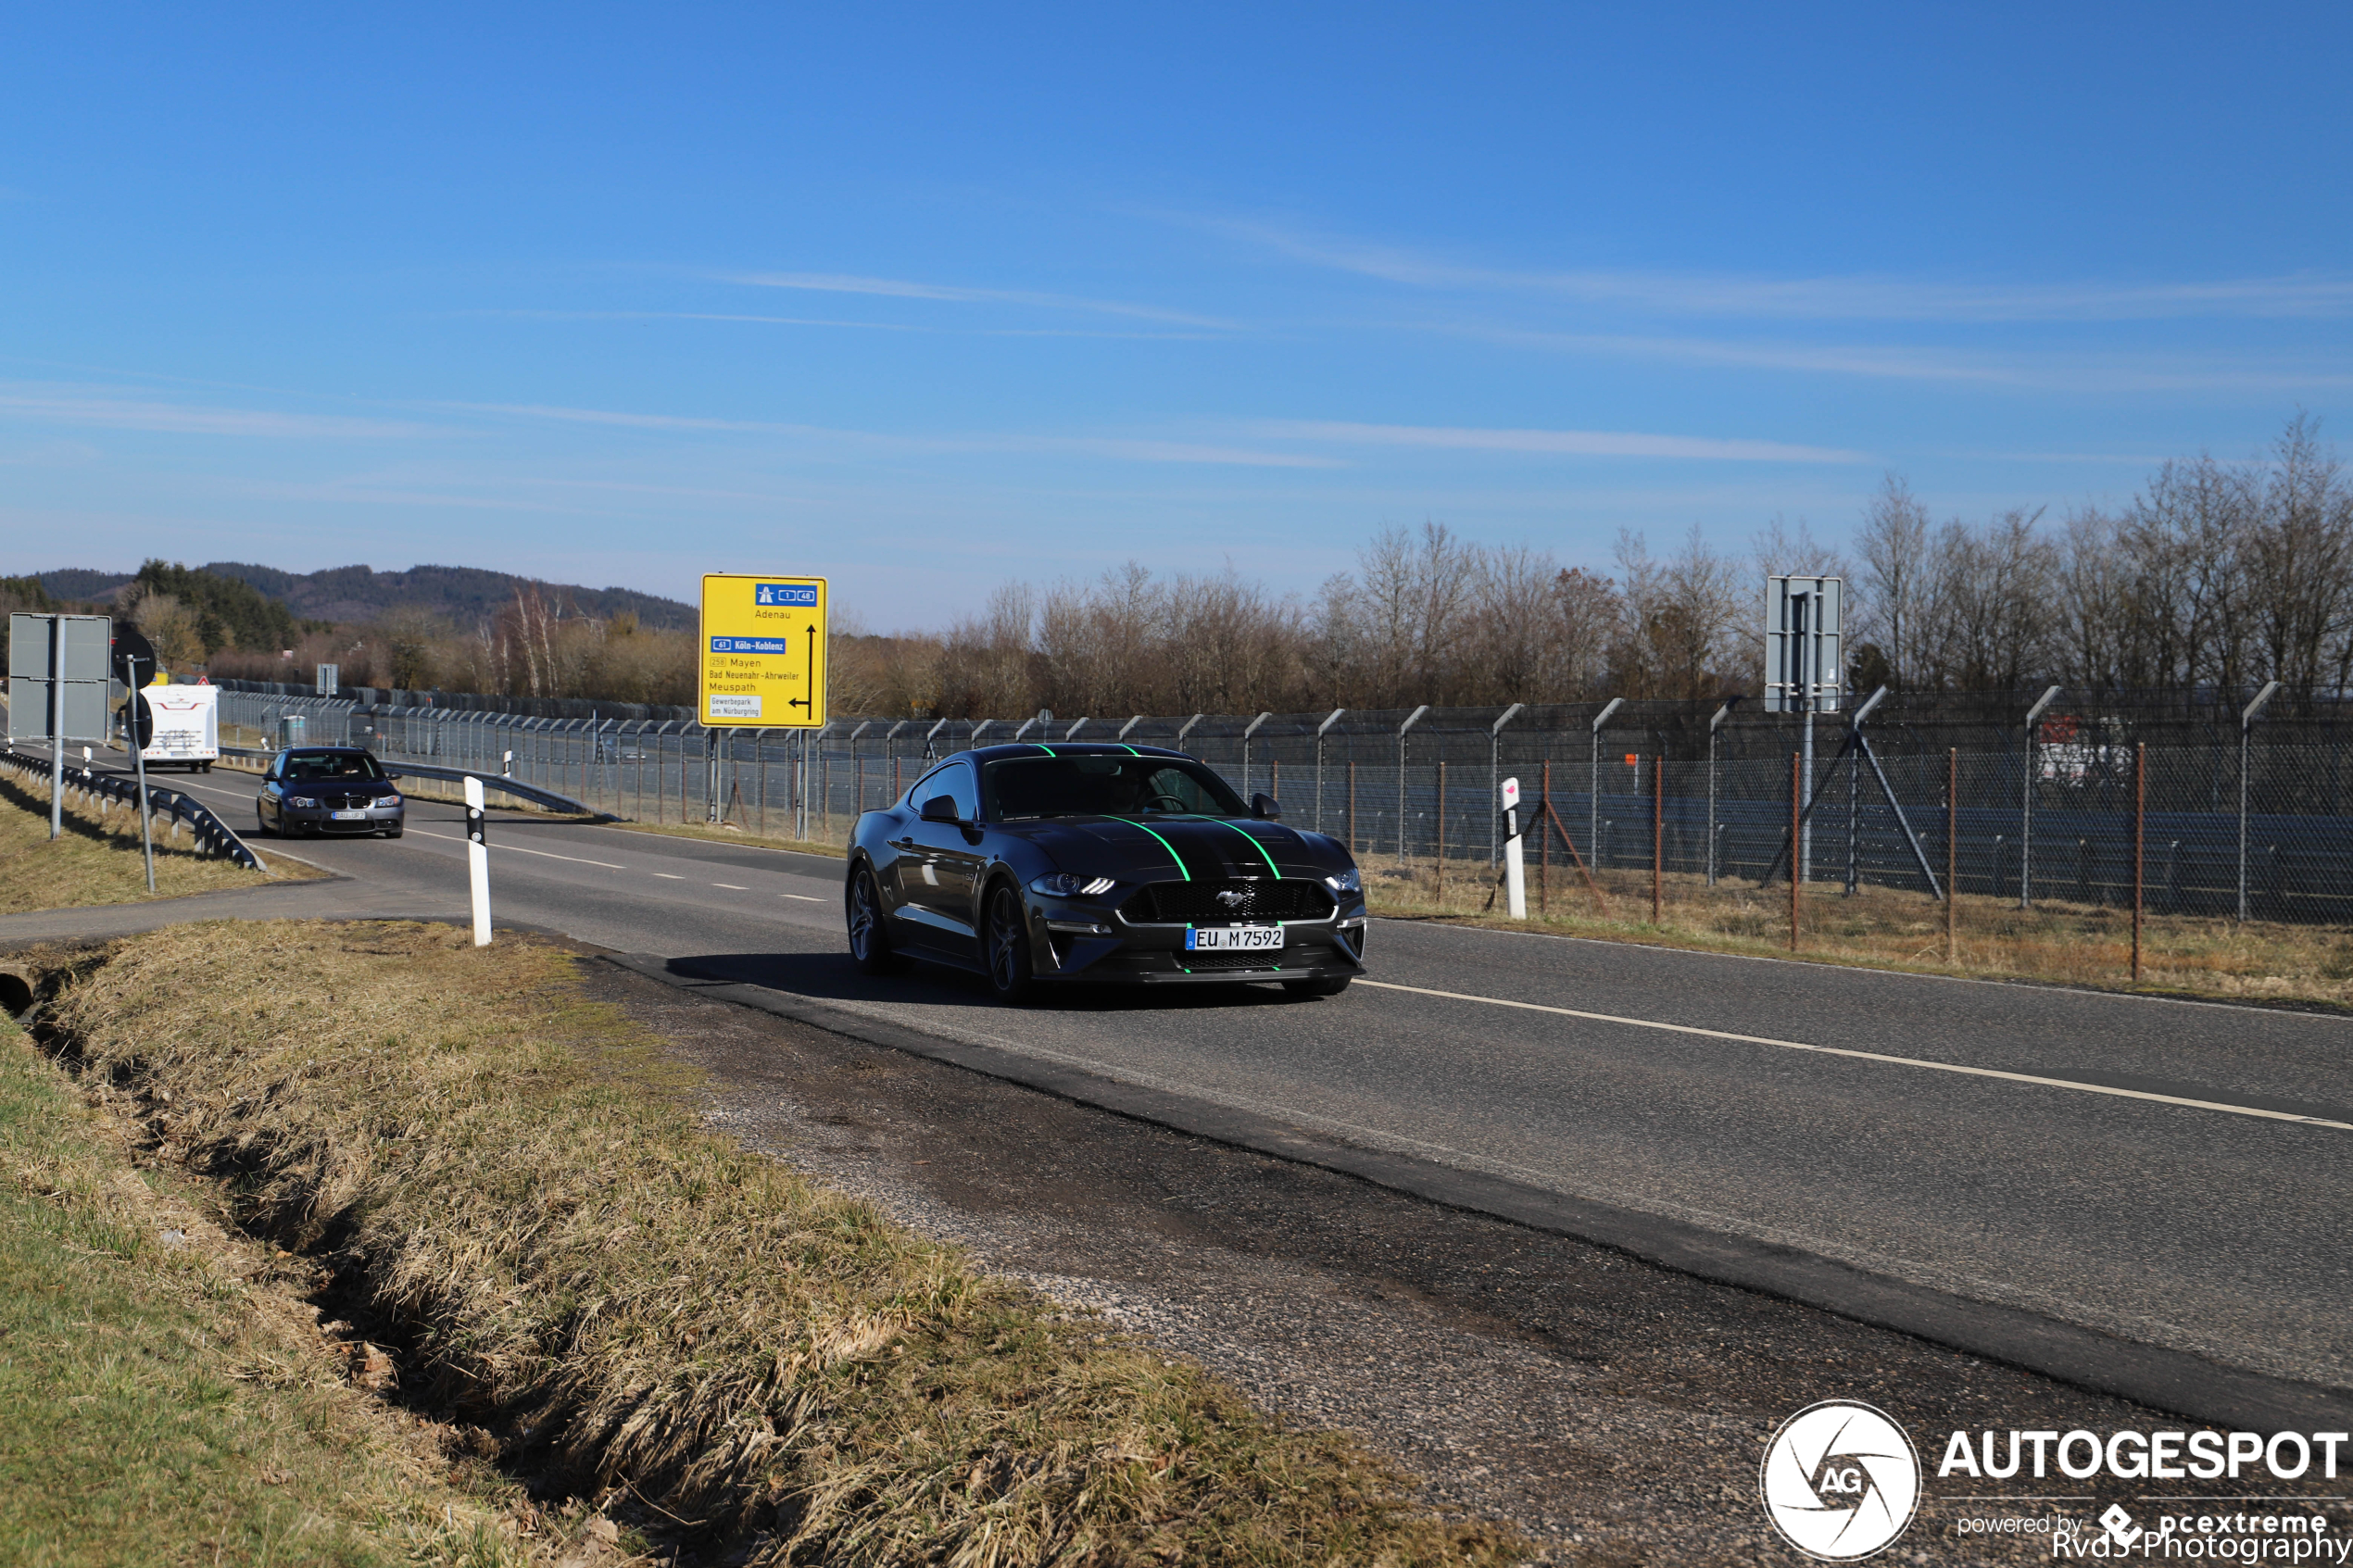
<point x="529" y="792"/>
<point x="210" y="832"/>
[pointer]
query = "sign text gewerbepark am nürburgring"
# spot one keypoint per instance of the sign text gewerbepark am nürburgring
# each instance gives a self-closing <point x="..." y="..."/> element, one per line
<point x="762" y="657"/>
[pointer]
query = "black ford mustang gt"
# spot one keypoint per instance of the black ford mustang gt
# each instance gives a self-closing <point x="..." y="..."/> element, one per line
<point x="1100" y="862"/>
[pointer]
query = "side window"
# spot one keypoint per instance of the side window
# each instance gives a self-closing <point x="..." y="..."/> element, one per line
<point x="955" y="781"/>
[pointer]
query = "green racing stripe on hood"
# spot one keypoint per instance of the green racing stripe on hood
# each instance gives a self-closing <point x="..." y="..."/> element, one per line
<point x="1181" y="870"/>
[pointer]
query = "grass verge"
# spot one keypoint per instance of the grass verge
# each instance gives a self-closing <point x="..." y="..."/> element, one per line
<point x="97" y="860"/>
<point x="511" y="1176"/>
<point x="163" y="1396"/>
<point x="2056" y="941"/>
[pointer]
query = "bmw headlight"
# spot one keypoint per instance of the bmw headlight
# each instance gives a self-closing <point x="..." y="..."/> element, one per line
<point x="386" y="802"/>
<point x="1069" y="885"/>
<point x="1348" y="881"/>
<point x="300" y="800"/>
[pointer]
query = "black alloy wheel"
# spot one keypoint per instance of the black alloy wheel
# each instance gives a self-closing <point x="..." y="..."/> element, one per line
<point x="861" y="909"/>
<point x="1005" y="947"/>
<point x="1331" y="987"/>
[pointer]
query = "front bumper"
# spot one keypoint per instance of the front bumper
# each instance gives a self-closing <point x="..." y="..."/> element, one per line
<point x="321" y="819"/>
<point x="1094" y="946"/>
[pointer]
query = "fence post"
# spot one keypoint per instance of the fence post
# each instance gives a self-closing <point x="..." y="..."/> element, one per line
<point x="1796" y="812"/>
<point x="1329" y="719"/>
<point x="1593" y="802"/>
<point x="1496" y="778"/>
<point x="1411" y="720"/>
<point x="2246" y="725"/>
<point x="1250" y="729"/>
<point x="1658" y="835"/>
<point x="1952" y="853"/>
<point x="1351" y="806"/>
<point x="2140" y="827"/>
<point x="1545" y="845"/>
<point x="2026" y="805"/>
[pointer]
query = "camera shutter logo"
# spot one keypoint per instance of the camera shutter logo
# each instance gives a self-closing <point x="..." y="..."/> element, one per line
<point x="1840" y="1480"/>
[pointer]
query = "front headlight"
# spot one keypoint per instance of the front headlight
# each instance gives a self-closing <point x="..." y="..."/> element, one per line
<point x="1348" y="881"/>
<point x="300" y="800"/>
<point x="1067" y="885"/>
<point x="386" y="802"/>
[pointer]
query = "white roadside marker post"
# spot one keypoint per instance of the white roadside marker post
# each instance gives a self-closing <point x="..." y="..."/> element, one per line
<point x="1514" y="875"/>
<point x="477" y="861"/>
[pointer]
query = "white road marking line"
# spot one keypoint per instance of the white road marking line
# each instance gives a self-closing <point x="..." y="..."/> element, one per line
<point x="668" y="877"/>
<point x="1874" y="1056"/>
<point x="731" y="887"/>
<point x="517" y="848"/>
<point x="802" y="897"/>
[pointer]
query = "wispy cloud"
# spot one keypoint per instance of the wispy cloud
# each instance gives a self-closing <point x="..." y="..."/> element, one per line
<point x="932" y="327"/>
<point x="2086" y="371"/>
<point x="899" y="288"/>
<point x="82" y="408"/>
<point x="1859" y="298"/>
<point x="1561" y="443"/>
<point x="1120" y="448"/>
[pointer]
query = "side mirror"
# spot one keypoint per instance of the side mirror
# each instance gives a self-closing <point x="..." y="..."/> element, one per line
<point x="1264" y="806"/>
<point x="941" y="808"/>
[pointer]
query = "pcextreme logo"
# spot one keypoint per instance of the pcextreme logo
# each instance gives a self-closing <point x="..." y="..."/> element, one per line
<point x="1840" y="1480"/>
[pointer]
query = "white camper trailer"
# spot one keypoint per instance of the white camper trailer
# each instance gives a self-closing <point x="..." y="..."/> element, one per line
<point x="188" y="725"/>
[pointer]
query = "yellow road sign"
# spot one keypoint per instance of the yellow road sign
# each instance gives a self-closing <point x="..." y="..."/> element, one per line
<point x="764" y="651"/>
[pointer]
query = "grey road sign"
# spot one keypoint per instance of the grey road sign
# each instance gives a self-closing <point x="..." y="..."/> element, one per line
<point x="1804" y="667"/>
<point x="51" y="654"/>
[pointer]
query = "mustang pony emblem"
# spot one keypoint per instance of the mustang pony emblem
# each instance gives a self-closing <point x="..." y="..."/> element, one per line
<point x="1233" y="897"/>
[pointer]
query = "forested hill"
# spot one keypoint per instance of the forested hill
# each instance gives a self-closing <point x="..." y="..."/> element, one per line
<point x="347" y="593"/>
<point x="464" y="593"/>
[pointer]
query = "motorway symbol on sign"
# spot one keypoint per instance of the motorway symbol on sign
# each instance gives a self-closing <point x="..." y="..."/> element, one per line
<point x="763" y="652"/>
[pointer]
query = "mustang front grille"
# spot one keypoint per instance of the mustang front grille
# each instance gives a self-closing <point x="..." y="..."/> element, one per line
<point x="1233" y="899"/>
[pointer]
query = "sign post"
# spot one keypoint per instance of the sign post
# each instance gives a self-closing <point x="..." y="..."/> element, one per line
<point x="1515" y="874"/>
<point x="1805" y="672"/>
<point x="477" y="861"/>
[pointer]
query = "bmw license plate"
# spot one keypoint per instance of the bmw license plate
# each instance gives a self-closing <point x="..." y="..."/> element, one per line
<point x="1232" y="938"/>
<point x="347" y="816"/>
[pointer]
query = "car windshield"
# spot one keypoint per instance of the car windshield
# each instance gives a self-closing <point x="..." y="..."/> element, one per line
<point x="1100" y="786"/>
<point x="315" y="766"/>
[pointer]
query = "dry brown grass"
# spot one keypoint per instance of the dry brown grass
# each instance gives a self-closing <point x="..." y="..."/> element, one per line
<point x="1880" y="927"/>
<point x="97" y="860"/>
<point x="512" y="1175"/>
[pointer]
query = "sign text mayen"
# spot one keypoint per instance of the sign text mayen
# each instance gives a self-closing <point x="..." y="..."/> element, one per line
<point x="764" y="651"/>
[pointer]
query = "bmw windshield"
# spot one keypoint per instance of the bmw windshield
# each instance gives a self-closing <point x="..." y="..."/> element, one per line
<point x="1027" y="788"/>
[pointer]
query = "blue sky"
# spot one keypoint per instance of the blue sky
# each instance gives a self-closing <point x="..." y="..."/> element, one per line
<point x="926" y="298"/>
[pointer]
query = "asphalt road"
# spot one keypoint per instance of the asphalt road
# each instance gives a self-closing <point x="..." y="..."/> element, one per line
<point x="2177" y="1173"/>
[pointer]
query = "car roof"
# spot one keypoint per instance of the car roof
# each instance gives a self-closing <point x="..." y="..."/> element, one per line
<point x="325" y="751"/>
<point x="1067" y="748"/>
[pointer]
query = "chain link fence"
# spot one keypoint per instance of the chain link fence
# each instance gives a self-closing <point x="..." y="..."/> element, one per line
<point x="2241" y="819"/>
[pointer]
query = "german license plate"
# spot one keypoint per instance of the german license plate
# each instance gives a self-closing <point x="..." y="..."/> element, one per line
<point x="347" y="816"/>
<point x="1232" y="938"/>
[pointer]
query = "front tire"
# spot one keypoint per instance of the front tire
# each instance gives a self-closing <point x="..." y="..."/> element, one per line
<point x="1329" y="987"/>
<point x="869" y="939"/>
<point x="261" y="825"/>
<point x="1004" y="946"/>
